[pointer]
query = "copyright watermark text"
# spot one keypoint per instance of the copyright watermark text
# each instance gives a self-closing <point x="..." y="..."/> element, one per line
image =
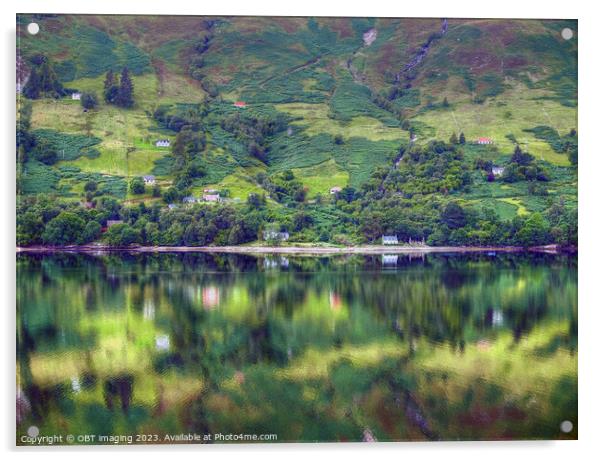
<point x="148" y="438"/>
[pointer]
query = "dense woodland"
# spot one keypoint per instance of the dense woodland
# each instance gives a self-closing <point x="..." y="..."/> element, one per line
<point x="403" y="204"/>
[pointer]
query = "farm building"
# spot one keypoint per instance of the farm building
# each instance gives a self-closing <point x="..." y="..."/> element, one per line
<point x="497" y="170"/>
<point x="240" y="104"/>
<point x="211" y="197"/>
<point x="149" y="180"/>
<point x="334" y="190"/>
<point x="273" y="235"/>
<point x="172" y="206"/>
<point x="76" y="96"/>
<point x="162" y="143"/>
<point x="484" y="141"/>
<point x="189" y="199"/>
<point x="390" y="239"/>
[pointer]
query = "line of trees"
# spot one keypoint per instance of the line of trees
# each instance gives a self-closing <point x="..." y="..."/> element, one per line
<point x="42" y="81"/>
<point x="119" y="91"/>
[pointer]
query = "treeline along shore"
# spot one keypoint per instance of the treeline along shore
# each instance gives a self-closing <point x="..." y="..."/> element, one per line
<point x="309" y="250"/>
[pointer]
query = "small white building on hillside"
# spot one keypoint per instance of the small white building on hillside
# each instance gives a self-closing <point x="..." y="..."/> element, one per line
<point x="211" y="197"/>
<point x="162" y="143"/>
<point x="149" y="180"/>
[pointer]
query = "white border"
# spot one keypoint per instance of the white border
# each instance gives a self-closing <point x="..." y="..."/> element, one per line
<point x="589" y="211"/>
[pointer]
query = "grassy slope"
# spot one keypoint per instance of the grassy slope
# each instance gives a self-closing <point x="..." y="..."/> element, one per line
<point x="520" y="69"/>
<point x="510" y="113"/>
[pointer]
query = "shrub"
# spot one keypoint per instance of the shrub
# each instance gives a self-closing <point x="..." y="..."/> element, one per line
<point x="137" y="186"/>
<point x="89" y="101"/>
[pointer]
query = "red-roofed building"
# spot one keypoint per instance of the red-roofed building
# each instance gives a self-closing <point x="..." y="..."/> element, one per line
<point x="240" y="104"/>
<point x="484" y="141"/>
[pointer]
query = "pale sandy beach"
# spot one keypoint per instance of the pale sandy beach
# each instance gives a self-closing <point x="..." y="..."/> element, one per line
<point x="308" y="250"/>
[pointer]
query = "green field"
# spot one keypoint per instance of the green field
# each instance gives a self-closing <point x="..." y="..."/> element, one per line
<point x="315" y="119"/>
<point x="508" y="114"/>
<point x="321" y="178"/>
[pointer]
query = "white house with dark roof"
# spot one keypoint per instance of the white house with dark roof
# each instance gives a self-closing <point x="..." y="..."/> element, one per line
<point x="163" y="143"/>
<point x="149" y="180"/>
<point x="335" y="190"/>
<point x="274" y="235"/>
<point x="497" y="170"/>
<point x="76" y="96"/>
<point x="390" y="239"/>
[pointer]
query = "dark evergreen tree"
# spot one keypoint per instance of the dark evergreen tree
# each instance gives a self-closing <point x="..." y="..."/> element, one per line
<point x="111" y="88"/>
<point x="521" y="158"/>
<point x="31" y="89"/>
<point x="462" y="138"/>
<point x="42" y="81"/>
<point x="109" y="80"/>
<point x="49" y="83"/>
<point x="125" y="95"/>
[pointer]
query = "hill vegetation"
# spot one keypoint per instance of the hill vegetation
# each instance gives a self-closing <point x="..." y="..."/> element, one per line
<point x="336" y="130"/>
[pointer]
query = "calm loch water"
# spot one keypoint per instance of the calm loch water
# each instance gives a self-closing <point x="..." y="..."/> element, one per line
<point x="160" y="347"/>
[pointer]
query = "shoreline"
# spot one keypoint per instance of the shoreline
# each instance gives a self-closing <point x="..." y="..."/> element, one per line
<point x="317" y="250"/>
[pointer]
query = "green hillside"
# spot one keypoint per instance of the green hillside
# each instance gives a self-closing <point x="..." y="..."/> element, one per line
<point x="375" y="107"/>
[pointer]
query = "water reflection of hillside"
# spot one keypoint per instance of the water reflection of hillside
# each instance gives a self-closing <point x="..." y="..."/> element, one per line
<point x="180" y="340"/>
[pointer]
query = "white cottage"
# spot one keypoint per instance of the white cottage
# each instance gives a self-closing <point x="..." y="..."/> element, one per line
<point x="390" y="239"/>
<point x="149" y="180"/>
<point x="273" y="235"/>
<point x="211" y="197"/>
<point x="162" y="143"/>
